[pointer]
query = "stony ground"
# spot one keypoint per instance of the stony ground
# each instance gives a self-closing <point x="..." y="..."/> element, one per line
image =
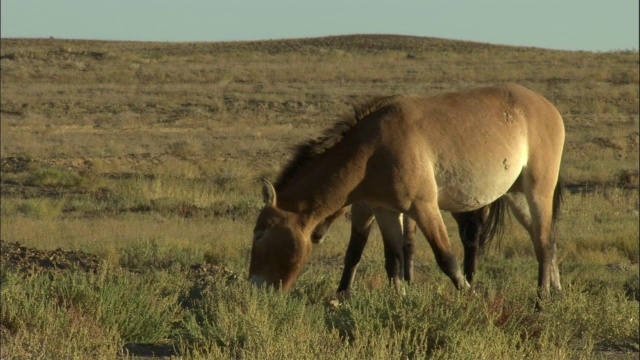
<point x="22" y="258"/>
<point x="16" y="257"/>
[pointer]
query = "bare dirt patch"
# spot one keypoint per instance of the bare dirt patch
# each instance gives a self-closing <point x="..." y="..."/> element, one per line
<point x="205" y="277"/>
<point x="21" y="258"/>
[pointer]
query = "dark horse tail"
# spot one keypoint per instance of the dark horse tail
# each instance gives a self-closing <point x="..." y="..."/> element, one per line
<point x="557" y="200"/>
<point x="493" y="223"/>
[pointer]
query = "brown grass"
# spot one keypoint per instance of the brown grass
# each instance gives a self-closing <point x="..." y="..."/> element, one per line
<point x="146" y="151"/>
<point x="248" y="101"/>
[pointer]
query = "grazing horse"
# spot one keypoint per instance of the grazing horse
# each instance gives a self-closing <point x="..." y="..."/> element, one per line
<point x="418" y="155"/>
<point x="476" y="228"/>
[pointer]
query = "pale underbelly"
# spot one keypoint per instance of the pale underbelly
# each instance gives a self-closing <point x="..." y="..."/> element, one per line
<point x="460" y="194"/>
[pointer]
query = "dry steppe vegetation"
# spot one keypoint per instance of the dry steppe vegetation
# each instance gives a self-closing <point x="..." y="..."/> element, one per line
<point x="147" y="156"/>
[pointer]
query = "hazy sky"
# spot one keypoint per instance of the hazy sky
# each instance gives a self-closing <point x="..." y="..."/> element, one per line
<point x="595" y="25"/>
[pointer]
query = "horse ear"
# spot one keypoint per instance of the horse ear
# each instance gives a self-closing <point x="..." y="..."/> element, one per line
<point x="268" y="193"/>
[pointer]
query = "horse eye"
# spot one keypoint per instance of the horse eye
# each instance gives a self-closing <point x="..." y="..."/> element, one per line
<point x="257" y="235"/>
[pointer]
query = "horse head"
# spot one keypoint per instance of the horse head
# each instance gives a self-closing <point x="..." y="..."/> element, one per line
<point x="280" y="248"/>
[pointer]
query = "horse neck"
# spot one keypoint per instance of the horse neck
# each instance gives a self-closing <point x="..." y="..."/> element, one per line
<point x="323" y="187"/>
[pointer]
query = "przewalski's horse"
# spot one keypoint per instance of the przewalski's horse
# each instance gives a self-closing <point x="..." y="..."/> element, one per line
<point x="476" y="228"/>
<point x="416" y="155"/>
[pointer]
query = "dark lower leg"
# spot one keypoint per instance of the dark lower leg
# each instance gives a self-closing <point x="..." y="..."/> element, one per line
<point x="357" y="242"/>
<point x="469" y="228"/>
<point x="394" y="265"/>
<point x="449" y="265"/>
<point x="409" y="237"/>
<point x="429" y="219"/>
<point x="470" y="262"/>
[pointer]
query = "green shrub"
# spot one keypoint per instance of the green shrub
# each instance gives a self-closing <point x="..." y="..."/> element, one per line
<point x="242" y="321"/>
<point x="148" y="254"/>
<point x="36" y="326"/>
<point x="79" y="315"/>
<point x="39" y="208"/>
<point x="54" y="177"/>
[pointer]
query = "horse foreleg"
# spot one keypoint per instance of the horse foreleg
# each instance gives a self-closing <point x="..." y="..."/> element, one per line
<point x="408" y="244"/>
<point x="361" y="220"/>
<point x="390" y="223"/>
<point x="427" y="216"/>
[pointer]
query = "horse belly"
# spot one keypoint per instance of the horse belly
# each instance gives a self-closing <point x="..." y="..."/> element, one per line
<point x="467" y="188"/>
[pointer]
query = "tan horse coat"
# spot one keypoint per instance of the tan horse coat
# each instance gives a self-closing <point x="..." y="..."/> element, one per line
<point x="418" y="155"/>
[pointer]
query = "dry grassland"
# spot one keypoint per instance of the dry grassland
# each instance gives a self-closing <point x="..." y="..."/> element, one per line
<point x="148" y="153"/>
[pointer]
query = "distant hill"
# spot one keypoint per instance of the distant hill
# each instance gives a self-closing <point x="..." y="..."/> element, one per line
<point x="351" y="43"/>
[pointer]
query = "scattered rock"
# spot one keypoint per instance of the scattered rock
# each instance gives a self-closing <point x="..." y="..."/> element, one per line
<point x="206" y="277"/>
<point x="632" y="288"/>
<point x="619" y="267"/>
<point x="17" y="257"/>
<point x="21" y="258"/>
<point x="15" y="164"/>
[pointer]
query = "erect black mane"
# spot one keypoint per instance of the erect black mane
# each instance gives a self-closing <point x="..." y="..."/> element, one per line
<point x="305" y="152"/>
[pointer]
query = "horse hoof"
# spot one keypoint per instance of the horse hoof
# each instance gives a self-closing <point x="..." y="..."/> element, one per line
<point x="343" y="295"/>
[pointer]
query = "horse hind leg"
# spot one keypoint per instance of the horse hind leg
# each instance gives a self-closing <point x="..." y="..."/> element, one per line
<point x="469" y="228"/>
<point x="517" y="202"/>
<point x="477" y="229"/>
<point x="549" y="274"/>
<point x="534" y="209"/>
